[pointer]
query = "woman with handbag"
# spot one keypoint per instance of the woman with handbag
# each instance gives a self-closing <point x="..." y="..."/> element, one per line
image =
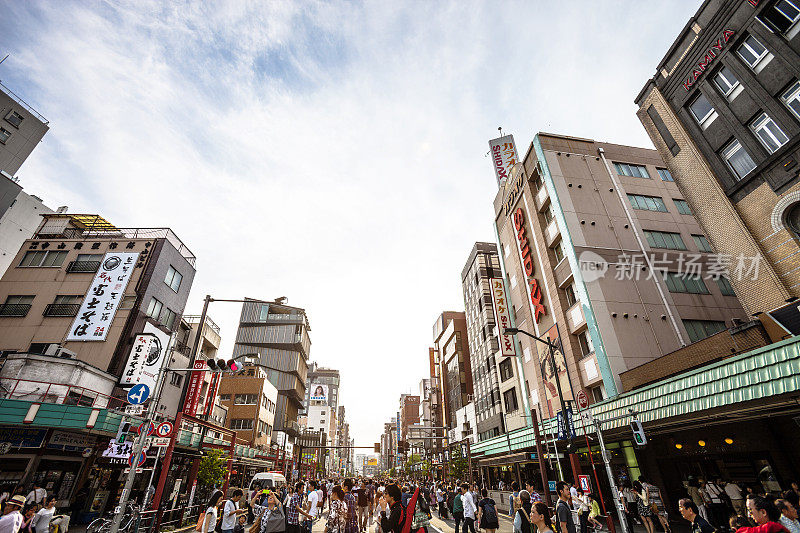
<point x="208" y="520"/>
<point x="270" y="518"/>
<point x="337" y="514"/>
<point x="643" y="506"/>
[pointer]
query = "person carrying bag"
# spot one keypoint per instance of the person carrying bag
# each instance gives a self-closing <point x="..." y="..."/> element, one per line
<point x="270" y="518"/>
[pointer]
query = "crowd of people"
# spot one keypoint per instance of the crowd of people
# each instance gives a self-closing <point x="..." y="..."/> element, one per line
<point x="30" y="511"/>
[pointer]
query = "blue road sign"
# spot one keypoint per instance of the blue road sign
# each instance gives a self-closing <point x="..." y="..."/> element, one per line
<point x="138" y="394"/>
<point x="551" y="485"/>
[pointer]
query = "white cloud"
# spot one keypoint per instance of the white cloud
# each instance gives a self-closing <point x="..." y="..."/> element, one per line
<point x="328" y="152"/>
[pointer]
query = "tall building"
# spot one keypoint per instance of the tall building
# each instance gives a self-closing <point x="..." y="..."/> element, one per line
<point x="251" y="402"/>
<point x="82" y="300"/>
<point x="321" y="404"/>
<point x="600" y="252"/>
<point x="279" y="335"/>
<point x="453" y="358"/>
<point x="21" y="129"/>
<point x="20" y="216"/>
<point x="723" y="110"/>
<point x="481" y="267"/>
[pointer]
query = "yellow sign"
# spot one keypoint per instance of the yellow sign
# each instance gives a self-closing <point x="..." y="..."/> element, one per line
<point x="372" y="461"/>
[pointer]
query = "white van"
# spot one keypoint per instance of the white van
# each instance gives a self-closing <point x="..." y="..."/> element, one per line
<point x="266" y="480"/>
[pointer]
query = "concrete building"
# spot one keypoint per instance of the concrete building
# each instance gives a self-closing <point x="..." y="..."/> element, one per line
<point x="723" y="110"/>
<point x="389" y="445"/>
<point x="466" y="423"/>
<point x="322" y="405"/>
<point x="251" y="402"/>
<point x="453" y="359"/>
<point x="409" y="413"/>
<point x="481" y="267"/>
<point x="279" y="335"/>
<point x="21" y="129"/>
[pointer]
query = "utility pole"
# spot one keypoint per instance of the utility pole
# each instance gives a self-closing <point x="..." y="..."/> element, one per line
<point x="598" y="429"/>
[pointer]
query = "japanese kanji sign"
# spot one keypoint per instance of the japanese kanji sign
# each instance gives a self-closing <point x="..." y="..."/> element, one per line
<point x="195" y="386"/>
<point x="502" y="317"/>
<point x="146" y="358"/>
<point x="103" y="298"/>
<point x="504" y="156"/>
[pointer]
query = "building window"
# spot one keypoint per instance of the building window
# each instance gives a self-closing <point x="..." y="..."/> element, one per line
<point x="43" y="259"/>
<point x="548" y="214"/>
<point x="702" y="243"/>
<point x="510" y="396"/>
<point x="569" y="293"/>
<point x="700" y="329"/>
<point x="791" y="98"/>
<point x="245" y="399"/>
<point x="664" y="239"/>
<point x="702" y="110"/>
<point x="169" y="318"/>
<point x="176" y="379"/>
<point x="681" y="283"/>
<point x="665" y="175"/>
<point x="781" y="16"/>
<point x="14" y="118"/>
<point x="16" y="305"/>
<point x="225" y="397"/>
<point x="68" y="299"/>
<point x="770" y="135"/>
<point x="725" y="286"/>
<point x="647" y="203"/>
<point x="506" y="370"/>
<point x="725" y="81"/>
<point x="173" y="279"/>
<point x="5" y="135"/>
<point x="635" y="171"/>
<point x="127" y="302"/>
<point x="792" y="219"/>
<point x="241" y="423"/>
<point x="587" y="348"/>
<point x="154" y="309"/>
<point x="558" y="251"/>
<point x="682" y="206"/>
<point x="751" y="51"/>
<point x="737" y="159"/>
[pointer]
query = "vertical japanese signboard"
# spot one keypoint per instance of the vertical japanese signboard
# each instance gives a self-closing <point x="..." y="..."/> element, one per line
<point x="103" y="297"/>
<point x="195" y="386"/>
<point x="211" y="397"/>
<point x="146" y="358"/>
<point x="502" y="317"/>
<point x="504" y="156"/>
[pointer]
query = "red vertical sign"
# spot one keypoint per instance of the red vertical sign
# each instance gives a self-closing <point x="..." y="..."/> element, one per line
<point x="195" y="386"/>
<point x="211" y="397"/>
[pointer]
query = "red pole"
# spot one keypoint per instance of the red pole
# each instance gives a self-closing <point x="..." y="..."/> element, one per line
<point x="165" y="464"/>
<point x="597" y="484"/>
<point x="231" y="452"/>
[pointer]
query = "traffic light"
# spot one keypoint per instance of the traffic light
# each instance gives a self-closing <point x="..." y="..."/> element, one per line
<point x="220" y="365"/>
<point x="638" y="433"/>
<point x="122" y="433"/>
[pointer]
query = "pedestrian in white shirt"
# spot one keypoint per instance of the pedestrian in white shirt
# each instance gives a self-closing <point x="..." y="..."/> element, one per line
<point x="13" y="519"/>
<point x="231" y="512"/>
<point x="469" y="508"/>
<point x="37" y="495"/>
<point x="41" y="522"/>
<point x="210" y="516"/>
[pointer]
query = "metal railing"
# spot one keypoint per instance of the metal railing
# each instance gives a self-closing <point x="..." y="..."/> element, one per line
<point x="61" y="309"/>
<point x="56" y="393"/>
<point x="83" y="266"/>
<point x="180" y="516"/>
<point x="194" y="319"/>
<point x="24" y="104"/>
<point x="16" y="310"/>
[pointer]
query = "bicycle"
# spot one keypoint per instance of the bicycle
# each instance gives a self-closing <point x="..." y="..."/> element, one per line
<point x="103" y="524"/>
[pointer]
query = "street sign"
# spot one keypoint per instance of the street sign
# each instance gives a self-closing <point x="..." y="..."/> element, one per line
<point x="150" y="430"/>
<point x="585" y="484"/>
<point x="533" y="456"/>
<point x="164" y="429"/>
<point x="160" y="441"/>
<point x="138" y="394"/>
<point x="134" y="409"/>
<point x="551" y="485"/>
<point x="583" y="399"/>
<point x="566" y="425"/>
<point x="142" y="459"/>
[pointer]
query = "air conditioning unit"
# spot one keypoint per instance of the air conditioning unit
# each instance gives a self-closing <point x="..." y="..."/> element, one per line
<point x="52" y="349"/>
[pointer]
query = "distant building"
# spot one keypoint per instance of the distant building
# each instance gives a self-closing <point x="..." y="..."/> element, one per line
<point x="21" y="129"/>
<point x="251" y="400"/>
<point x="452" y="351"/>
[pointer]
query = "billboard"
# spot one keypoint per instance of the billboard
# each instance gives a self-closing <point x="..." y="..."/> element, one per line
<point x="146" y="358"/>
<point x="502" y="317"/>
<point x="319" y="392"/>
<point x="549" y="376"/>
<point x="372" y="461"/>
<point x="504" y="156"/>
<point x="103" y="297"/>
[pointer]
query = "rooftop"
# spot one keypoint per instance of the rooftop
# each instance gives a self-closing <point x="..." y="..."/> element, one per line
<point x="23" y="103"/>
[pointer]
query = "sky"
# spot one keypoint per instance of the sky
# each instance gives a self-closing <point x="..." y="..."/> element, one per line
<point x="330" y="152"/>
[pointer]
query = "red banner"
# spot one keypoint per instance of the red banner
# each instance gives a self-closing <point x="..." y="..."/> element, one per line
<point x="211" y="397"/>
<point x="195" y="386"/>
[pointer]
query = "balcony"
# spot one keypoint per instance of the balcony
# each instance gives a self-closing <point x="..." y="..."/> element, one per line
<point x="542" y="198"/>
<point x="292" y="428"/>
<point x="83" y="267"/>
<point x="61" y="309"/>
<point x="17" y="310"/>
<point x="182" y="347"/>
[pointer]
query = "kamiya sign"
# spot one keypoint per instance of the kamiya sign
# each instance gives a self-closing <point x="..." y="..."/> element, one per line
<point x="710" y="55"/>
<point x="535" y="291"/>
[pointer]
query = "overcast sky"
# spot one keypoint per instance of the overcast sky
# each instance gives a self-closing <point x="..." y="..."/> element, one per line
<point x="333" y="153"/>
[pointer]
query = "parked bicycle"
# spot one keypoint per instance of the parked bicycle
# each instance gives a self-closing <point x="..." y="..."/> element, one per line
<point x="128" y="523"/>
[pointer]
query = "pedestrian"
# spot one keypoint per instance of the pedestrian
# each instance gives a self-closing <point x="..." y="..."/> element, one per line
<point x="337" y="511"/>
<point x="208" y="520"/>
<point x="540" y="517"/>
<point x="487" y="513"/>
<point x="531" y="488"/>
<point x="693" y="489"/>
<point x="734" y="492"/>
<point x="657" y="507"/>
<point x="392" y="512"/>
<point x="581" y="502"/>
<point x="565" y="524"/>
<point x="422" y="513"/>
<point x="314" y="502"/>
<point x="350" y="500"/>
<point x="231" y="512"/>
<point x="270" y="517"/>
<point x="765" y="514"/>
<point x="628" y="499"/>
<point x="788" y="515"/>
<point x="594" y="512"/>
<point x="643" y="506"/>
<point x="522" y="516"/>
<point x="28" y="513"/>
<point x="242" y="521"/>
<point x="41" y="522"/>
<point x="458" y="510"/>
<point x="718" y="509"/>
<point x="371" y="499"/>
<point x="12" y="519"/>
<point x="689" y="511"/>
<point x="293" y="509"/>
<point x="513" y="497"/>
<point x="362" y="498"/>
<point x="36" y="495"/>
<point x="469" y="508"/>
<point x="440" y="501"/>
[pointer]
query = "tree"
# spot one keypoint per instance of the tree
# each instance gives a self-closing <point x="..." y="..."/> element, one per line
<point x="458" y="463"/>
<point x="213" y="469"/>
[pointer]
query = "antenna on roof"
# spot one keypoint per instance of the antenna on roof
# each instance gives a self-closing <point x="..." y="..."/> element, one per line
<point x="500" y="129"/>
<point x="6" y="57"/>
